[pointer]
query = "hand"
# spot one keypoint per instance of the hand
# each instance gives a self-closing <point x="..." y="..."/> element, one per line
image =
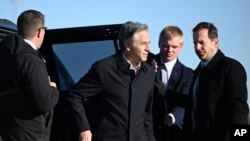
<point x="52" y="84"/>
<point x="85" y="136"/>
<point x="168" y="120"/>
<point x="154" y="65"/>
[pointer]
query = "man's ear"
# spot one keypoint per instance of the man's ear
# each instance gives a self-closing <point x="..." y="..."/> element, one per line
<point x="127" y="45"/>
<point x="217" y="42"/>
<point x="39" y="33"/>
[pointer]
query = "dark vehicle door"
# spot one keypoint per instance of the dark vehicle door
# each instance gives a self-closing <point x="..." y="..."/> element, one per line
<point x="6" y="27"/>
<point x="69" y="53"/>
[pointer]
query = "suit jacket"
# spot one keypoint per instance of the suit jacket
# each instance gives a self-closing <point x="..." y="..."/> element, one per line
<point x="178" y="85"/>
<point x="27" y="100"/>
<point x="220" y="102"/>
<point x="113" y="103"/>
<point x="171" y="100"/>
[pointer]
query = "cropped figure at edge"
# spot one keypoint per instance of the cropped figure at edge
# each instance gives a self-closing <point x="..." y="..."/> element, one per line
<point x="28" y="97"/>
<point x="218" y="97"/>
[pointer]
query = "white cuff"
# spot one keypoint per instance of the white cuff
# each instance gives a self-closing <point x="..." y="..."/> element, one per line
<point x="172" y="116"/>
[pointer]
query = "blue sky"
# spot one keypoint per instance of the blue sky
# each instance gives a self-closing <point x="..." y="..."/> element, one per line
<point x="230" y="16"/>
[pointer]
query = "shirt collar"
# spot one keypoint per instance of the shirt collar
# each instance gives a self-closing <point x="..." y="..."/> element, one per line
<point x="30" y="43"/>
<point x="169" y="65"/>
<point x="204" y="63"/>
<point x="136" y="68"/>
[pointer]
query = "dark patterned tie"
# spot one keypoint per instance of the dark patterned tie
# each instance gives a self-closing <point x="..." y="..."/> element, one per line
<point x="195" y="95"/>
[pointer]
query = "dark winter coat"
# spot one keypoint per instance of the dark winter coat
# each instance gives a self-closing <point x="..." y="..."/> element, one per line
<point x="26" y="98"/>
<point x="220" y="102"/>
<point x="113" y="103"/>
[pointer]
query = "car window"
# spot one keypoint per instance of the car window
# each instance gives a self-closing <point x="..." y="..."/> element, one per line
<point x="77" y="58"/>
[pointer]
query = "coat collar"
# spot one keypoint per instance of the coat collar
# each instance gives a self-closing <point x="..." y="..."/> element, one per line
<point x="123" y="65"/>
<point x="212" y="65"/>
<point x="176" y="72"/>
<point x="175" y="75"/>
<point x="14" y="44"/>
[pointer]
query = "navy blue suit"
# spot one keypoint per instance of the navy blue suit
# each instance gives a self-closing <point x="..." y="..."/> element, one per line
<point x="178" y="85"/>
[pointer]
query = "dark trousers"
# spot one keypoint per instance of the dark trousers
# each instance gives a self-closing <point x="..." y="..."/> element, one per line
<point x="36" y="129"/>
<point x="165" y="133"/>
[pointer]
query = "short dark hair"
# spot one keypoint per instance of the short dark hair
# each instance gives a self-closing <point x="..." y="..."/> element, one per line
<point x="212" y="30"/>
<point x="128" y="30"/>
<point x="28" y="22"/>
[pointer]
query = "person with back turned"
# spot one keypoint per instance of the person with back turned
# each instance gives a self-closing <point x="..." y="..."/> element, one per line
<point x="27" y="96"/>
